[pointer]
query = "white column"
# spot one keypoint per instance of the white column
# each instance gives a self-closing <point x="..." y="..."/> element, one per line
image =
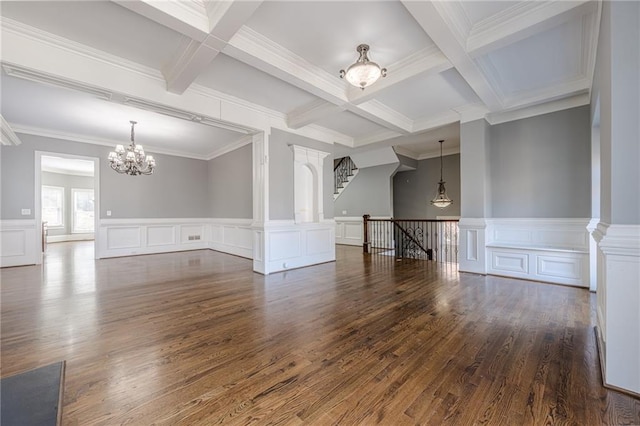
<point x="260" y="200"/>
<point x="617" y="95"/>
<point x="475" y="196"/>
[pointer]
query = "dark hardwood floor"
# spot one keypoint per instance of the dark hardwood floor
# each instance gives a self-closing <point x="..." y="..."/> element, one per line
<point x="198" y="338"/>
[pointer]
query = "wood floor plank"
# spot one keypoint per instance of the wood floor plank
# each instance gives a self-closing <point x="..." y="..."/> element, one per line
<point x="197" y="338"/>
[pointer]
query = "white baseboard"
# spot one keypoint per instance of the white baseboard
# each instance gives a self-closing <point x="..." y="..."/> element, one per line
<point x="72" y="237"/>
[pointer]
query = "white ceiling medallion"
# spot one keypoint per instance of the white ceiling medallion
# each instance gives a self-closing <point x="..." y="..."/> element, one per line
<point x="363" y="73"/>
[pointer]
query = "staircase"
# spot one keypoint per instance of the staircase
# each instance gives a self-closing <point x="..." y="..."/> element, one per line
<point x="344" y="170"/>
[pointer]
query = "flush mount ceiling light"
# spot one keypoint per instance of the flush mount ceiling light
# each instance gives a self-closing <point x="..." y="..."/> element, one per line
<point x="364" y="72"/>
<point x="441" y="200"/>
<point x="131" y="161"/>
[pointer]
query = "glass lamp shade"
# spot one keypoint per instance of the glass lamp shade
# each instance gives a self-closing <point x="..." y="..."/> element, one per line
<point x="131" y="156"/>
<point x="363" y="74"/>
<point x="120" y="149"/>
<point x="441" y="200"/>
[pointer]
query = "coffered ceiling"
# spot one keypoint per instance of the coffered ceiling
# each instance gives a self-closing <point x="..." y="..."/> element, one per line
<point x="244" y="66"/>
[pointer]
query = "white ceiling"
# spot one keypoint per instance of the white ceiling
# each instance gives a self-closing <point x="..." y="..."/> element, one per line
<point x="69" y="166"/>
<point x="222" y="61"/>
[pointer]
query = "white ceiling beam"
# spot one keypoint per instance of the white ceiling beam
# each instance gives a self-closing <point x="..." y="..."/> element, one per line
<point x="431" y="17"/>
<point x="382" y="115"/>
<point x="311" y="112"/>
<point x="521" y="21"/>
<point x="426" y="61"/>
<point x="224" y="19"/>
<point x="177" y="15"/>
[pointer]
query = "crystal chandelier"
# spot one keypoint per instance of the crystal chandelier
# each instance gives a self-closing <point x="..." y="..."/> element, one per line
<point x="131" y="161"/>
<point x="441" y="200"/>
<point x="364" y="72"/>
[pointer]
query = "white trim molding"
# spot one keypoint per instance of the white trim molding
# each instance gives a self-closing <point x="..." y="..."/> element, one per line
<point x="618" y="297"/>
<point x="548" y="250"/>
<point x="232" y="236"/>
<point x="127" y="237"/>
<point x="472" y="252"/>
<point x="8" y="135"/>
<point x="17" y="242"/>
<point x="349" y="231"/>
<point x="286" y="245"/>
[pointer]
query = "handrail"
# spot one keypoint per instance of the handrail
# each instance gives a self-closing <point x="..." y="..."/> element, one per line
<point x="416" y="242"/>
<point x="342" y="172"/>
<point x="427" y="239"/>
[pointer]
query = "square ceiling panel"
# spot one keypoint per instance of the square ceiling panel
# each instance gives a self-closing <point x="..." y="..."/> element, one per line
<point x="349" y="124"/>
<point x="102" y="25"/>
<point x="238" y="79"/>
<point x="538" y="62"/>
<point x="478" y="11"/>
<point x="326" y="33"/>
<point x="430" y="95"/>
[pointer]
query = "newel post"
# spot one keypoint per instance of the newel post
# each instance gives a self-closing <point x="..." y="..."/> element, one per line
<point x="366" y="244"/>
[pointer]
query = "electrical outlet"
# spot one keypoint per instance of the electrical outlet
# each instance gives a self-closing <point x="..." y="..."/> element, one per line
<point x="108" y="212"/>
<point x="26" y="212"/>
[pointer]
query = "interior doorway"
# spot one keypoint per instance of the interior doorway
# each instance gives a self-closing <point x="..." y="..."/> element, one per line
<point x="67" y="199"/>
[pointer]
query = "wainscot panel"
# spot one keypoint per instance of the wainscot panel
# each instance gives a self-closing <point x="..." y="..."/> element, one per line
<point x="550" y="250"/>
<point x="19" y="244"/>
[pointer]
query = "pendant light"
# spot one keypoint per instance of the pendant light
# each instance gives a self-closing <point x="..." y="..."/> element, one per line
<point x="441" y="200"/>
<point x="363" y="72"/>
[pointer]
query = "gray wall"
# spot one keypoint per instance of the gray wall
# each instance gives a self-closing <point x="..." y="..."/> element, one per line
<point x="540" y="166"/>
<point x="475" y="189"/>
<point x="368" y="193"/>
<point x="178" y="189"/>
<point x="413" y="190"/>
<point x="281" y="189"/>
<point x="67" y="182"/>
<point x="231" y="184"/>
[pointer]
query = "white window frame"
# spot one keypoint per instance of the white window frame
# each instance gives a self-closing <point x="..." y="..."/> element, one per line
<point x="62" y="209"/>
<point x="74" y="191"/>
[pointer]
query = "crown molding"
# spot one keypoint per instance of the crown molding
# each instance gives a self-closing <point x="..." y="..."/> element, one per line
<point x="74" y="137"/>
<point x="8" y="135"/>
<point x="53" y="40"/>
<point x="379" y="136"/>
<point x="311" y="112"/>
<point x="436" y="153"/>
<point x="245" y="140"/>
<point x="399" y="149"/>
<point x="184" y="17"/>
<point x="53" y="80"/>
<point x="428" y="123"/>
<point x="471" y="112"/>
<point x="523" y="20"/>
<point x="454" y="15"/>
<point x="381" y="114"/>
<point x="575" y="86"/>
<point x="540" y="109"/>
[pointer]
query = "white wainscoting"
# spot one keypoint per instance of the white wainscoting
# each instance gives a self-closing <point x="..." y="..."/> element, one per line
<point x="349" y="231"/>
<point x="126" y="237"/>
<point x="19" y="242"/>
<point x="289" y="245"/>
<point x="233" y="236"/>
<point x="549" y="250"/>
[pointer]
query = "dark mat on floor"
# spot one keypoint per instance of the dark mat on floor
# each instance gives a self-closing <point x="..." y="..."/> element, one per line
<point x="32" y="398"/>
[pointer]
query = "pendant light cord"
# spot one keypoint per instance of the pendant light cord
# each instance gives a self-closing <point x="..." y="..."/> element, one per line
<point x="441" y="160"/>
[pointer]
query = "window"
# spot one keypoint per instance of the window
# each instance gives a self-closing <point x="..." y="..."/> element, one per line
<point x="83" y="213"/>
<point x="52" y="206"/>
